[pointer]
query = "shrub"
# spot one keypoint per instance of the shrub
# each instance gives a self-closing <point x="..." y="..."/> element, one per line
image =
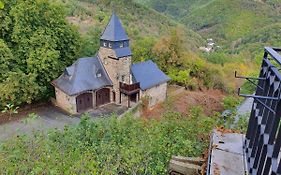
<point x="109" y="146"/>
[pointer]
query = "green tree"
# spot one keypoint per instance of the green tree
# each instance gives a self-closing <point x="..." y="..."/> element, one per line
<point x="6" y="60"/>
<point x="18" y="87"/>
<point x="142" y="49"/>
<point x="41" y="44"/>
<point x="169" y="49"/>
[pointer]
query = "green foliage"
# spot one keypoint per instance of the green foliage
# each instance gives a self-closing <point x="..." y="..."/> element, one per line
<point x="169" y="49"/>
<point x="2" y="5"/>
<point x="182" y="76"/>
<point x="36" y="45"/>
<point x="242" y="123"/>
<point x="109" y="146"/>
<point x="6" y="60"/>
<point x="10" y="109"/>
<point x="19" y="88"/>
<point x="217" y="58"/>
<point x="90" y="43"/>
<point x="142" y="49"/>
<point x="230" y="102"/>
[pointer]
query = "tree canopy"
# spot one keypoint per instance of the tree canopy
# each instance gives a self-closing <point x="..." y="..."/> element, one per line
<point x="36" y="44"/>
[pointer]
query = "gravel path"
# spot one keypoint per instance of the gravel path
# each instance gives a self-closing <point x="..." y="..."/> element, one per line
<point x="49" y="117"/>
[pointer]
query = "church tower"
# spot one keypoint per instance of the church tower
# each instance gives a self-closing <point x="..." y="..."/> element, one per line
<point x="115" y="54"/>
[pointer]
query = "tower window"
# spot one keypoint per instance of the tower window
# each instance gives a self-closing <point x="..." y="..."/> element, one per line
<point x="104" y="44"/>
<point x="121" y="44"/>
<point x="109" y="45"/>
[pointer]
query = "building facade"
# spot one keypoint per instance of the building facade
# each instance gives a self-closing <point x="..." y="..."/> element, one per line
<point x="110" y="76"/>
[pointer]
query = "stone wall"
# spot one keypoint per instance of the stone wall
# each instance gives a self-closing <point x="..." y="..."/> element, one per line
<point x="66" y="102"/>
<point x="156" y="94"/>
<point x="116" y="69"/>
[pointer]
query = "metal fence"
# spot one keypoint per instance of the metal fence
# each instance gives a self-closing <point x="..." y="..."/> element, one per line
<point x="263" y="137"/>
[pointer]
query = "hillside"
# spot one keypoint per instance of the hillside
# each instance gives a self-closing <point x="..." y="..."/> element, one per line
<point x="230" y="20"/>
<point x="227" y="21"/>
<point x="91" y="17"/>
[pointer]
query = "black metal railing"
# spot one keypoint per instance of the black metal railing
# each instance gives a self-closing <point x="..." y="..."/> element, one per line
<point x="263" y="138"/>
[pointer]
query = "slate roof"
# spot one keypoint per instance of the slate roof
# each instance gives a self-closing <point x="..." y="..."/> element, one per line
<point x="85" y="74"/>
<point x="123" y="52"/>
<point x="114" y="30"/>
<point x="148" y="74"/>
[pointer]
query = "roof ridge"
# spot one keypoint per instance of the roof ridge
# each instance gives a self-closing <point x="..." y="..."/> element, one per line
<point x="107" y="76"/>
<point x="106" y="27"/>
<point x="74" y="73"/>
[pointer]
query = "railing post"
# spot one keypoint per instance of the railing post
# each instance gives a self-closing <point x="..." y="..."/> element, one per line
<point x="263" y="137"/>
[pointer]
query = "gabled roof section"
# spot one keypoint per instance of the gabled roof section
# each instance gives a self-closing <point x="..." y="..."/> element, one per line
<point x="148" y="74"/>
<point x="114" y="30"/>
<point x="84" y="75"/>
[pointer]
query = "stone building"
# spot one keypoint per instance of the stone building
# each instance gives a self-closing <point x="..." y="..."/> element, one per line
<point x="109" y="76"/>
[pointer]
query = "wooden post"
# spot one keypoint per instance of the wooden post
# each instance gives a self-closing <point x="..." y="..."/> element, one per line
<point x="120" y="97"/>
<point x="129" y="100"/>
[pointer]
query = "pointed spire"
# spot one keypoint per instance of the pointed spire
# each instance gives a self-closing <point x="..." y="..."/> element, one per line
<point x="114" y="30"/>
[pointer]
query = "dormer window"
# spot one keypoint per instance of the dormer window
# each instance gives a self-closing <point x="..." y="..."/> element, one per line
<point x="121" y="44"/>
<point x="98" y="75"/>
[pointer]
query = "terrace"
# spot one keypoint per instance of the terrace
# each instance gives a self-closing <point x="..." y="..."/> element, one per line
<point x="257" y="152"/>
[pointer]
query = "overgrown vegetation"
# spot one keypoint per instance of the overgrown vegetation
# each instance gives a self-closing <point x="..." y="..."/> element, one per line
<point x="36" y="44"/>
<point x="109" y="146"/>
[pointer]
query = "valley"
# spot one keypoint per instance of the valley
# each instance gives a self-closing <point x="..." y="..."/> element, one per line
<point x="61" y="73"/>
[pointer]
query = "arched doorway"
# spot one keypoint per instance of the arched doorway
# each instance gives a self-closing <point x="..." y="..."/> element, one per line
<point x="103" y="96"/>
<point x="84" y="102"/>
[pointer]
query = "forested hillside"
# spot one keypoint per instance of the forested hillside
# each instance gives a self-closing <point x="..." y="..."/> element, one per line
<point x="142" y="24"/>
<point x="230" y="23"/>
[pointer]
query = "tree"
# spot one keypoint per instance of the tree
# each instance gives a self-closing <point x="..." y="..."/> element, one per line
<point x="6" y="60"/>
<point x="39" y="41"/>
<point x="142" y="49"/>
<point x="169" y="49"/>
<point x="17" y="88"/>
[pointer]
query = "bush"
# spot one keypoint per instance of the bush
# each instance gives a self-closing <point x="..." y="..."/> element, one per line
<point x="109" y="146"/>
<point x="230" y="102"/>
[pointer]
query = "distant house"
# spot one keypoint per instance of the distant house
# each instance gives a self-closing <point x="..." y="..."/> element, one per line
<point x="109" y="76"/>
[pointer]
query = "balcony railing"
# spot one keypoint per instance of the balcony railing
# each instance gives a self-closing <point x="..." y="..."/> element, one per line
<point x="129" y="88"/>
<point x="263" y="138"/>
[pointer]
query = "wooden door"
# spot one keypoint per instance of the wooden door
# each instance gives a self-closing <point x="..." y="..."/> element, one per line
<point x="102" y="96"/>
<point x="84" y="102"/>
